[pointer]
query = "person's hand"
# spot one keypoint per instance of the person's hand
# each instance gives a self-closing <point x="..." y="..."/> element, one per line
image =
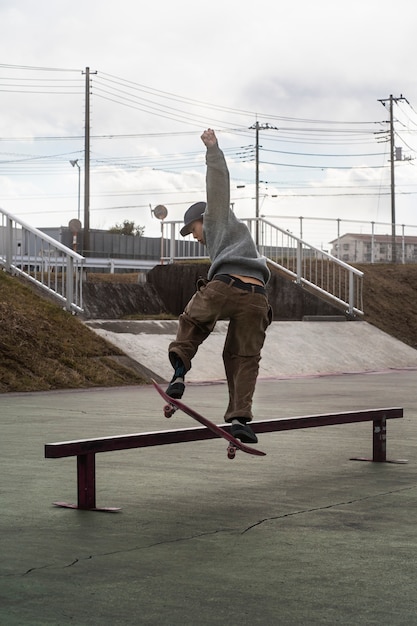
<point x="209" y="138"/>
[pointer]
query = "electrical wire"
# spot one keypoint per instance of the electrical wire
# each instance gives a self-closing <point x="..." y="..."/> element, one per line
<point x="190" y="112"/>
<point x="38" y="68"/>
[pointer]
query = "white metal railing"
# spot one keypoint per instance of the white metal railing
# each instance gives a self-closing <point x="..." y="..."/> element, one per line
<point x="43" y="260"/>
<point x="313" y="269"/>
<point x="29" y="252"/>
<point x="367" y="237"/>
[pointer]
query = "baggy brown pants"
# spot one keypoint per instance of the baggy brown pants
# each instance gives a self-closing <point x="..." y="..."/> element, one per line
<point x="250" y="315"/>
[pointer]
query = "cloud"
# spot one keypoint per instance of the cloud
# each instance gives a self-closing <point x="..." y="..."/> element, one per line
<point x="180" y="68"/>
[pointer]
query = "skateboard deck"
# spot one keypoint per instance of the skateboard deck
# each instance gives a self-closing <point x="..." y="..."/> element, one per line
<point x="234" y="444"/>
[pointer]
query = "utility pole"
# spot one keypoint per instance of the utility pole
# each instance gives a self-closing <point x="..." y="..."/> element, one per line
<point x="86" y="237"/>
<point x="257" y="127"/>
<point x="86" y="230"/>
<point x="384" y="102"/>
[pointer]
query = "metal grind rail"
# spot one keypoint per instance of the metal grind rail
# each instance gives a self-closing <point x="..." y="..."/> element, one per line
<point x="85" y="450"/>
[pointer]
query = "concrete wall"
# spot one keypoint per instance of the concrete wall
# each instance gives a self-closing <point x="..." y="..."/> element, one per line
<point x="175" y="284"/>
<point x="169" y="287"/>
<point x="115" y="300"/>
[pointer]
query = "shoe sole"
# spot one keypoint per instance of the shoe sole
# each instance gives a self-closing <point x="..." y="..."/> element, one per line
<point x="244" y="436"/>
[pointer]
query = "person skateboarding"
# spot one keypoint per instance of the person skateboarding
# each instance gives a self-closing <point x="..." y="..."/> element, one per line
<point x="234" y="290"/>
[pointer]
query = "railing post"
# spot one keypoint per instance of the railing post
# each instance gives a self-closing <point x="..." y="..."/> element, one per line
<point x="373" y="243"/>
<point x="79" y="280"/>
<point x="172" y="252"/>
<point x="338" y="255"/>
<point x="70" y="283"/>
<point x="8" y="244"/>
<point x="351" y="292"/>
<point x="299" y="269"/>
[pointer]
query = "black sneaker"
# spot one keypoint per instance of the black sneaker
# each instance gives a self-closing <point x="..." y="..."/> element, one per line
<point x="243" y="432"/>
<point x="176" y="388"/>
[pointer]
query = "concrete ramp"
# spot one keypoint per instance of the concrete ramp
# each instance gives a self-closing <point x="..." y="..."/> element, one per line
<point x="291" y="348"/>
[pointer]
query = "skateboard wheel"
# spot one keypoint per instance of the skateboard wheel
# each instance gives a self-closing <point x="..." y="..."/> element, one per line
<point x="169" y="410"/>
<point x="231" y="452"/>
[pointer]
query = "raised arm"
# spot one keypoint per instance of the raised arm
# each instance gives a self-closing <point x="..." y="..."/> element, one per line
<point x="217" y="180"/>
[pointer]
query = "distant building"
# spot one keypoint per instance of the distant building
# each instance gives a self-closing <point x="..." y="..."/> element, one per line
<point x="355" y="248"/>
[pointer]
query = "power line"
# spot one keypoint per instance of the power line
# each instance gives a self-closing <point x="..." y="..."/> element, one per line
<point x="169" y="95"/>
<point x="191" y="112"/>
<point x="326" y="167"/>
<point x="38" y="68"/>
<point x="318" y="154"/>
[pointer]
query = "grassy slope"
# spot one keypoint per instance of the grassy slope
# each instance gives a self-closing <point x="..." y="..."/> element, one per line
<point x="43" y="347"/>
<point x="390" y="300"/>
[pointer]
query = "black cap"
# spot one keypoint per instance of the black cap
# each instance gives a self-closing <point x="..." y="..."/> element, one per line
<point x="195" y="212"/>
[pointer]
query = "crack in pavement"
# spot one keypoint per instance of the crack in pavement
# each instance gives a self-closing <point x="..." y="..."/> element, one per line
<point x="324" y="507"/>
<point x="135" y="549"/>
<point x="217" y="531"/>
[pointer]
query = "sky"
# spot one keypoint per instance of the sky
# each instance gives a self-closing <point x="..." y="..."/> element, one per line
<point x="316" y="77"/>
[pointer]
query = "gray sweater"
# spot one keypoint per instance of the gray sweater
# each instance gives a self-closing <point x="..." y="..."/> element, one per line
<point x="229" y="243"/>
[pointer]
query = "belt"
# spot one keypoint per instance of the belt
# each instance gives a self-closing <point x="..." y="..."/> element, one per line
<point x="236" y="282"/>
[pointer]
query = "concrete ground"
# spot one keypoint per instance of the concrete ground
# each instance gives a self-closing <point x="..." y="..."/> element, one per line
<point x="302" y="537"/>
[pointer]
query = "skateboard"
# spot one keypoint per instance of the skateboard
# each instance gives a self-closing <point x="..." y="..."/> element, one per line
<point x="234" y="444"/>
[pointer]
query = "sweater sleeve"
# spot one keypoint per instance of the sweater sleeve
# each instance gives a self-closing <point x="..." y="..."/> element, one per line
<point x="217" y="185"/>
<point x="229" y="243"/>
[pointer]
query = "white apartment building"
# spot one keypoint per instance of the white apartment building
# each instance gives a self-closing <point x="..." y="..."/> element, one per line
<point x="359" y="248"/>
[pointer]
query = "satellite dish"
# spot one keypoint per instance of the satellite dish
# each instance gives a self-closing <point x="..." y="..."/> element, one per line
<point x="74" y="226"/>
<point x="160" y="212"/>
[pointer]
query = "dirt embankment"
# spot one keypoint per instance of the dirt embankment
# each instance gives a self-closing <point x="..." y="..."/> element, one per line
<point x="390" y="300"/>
<point x="43" y="347"/>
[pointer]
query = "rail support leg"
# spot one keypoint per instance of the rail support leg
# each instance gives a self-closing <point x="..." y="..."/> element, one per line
<point x="379" y="444"/>
<point x="379" y="441"/>
<point x="86" y="481"/>
<point x="86" y="486"/>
